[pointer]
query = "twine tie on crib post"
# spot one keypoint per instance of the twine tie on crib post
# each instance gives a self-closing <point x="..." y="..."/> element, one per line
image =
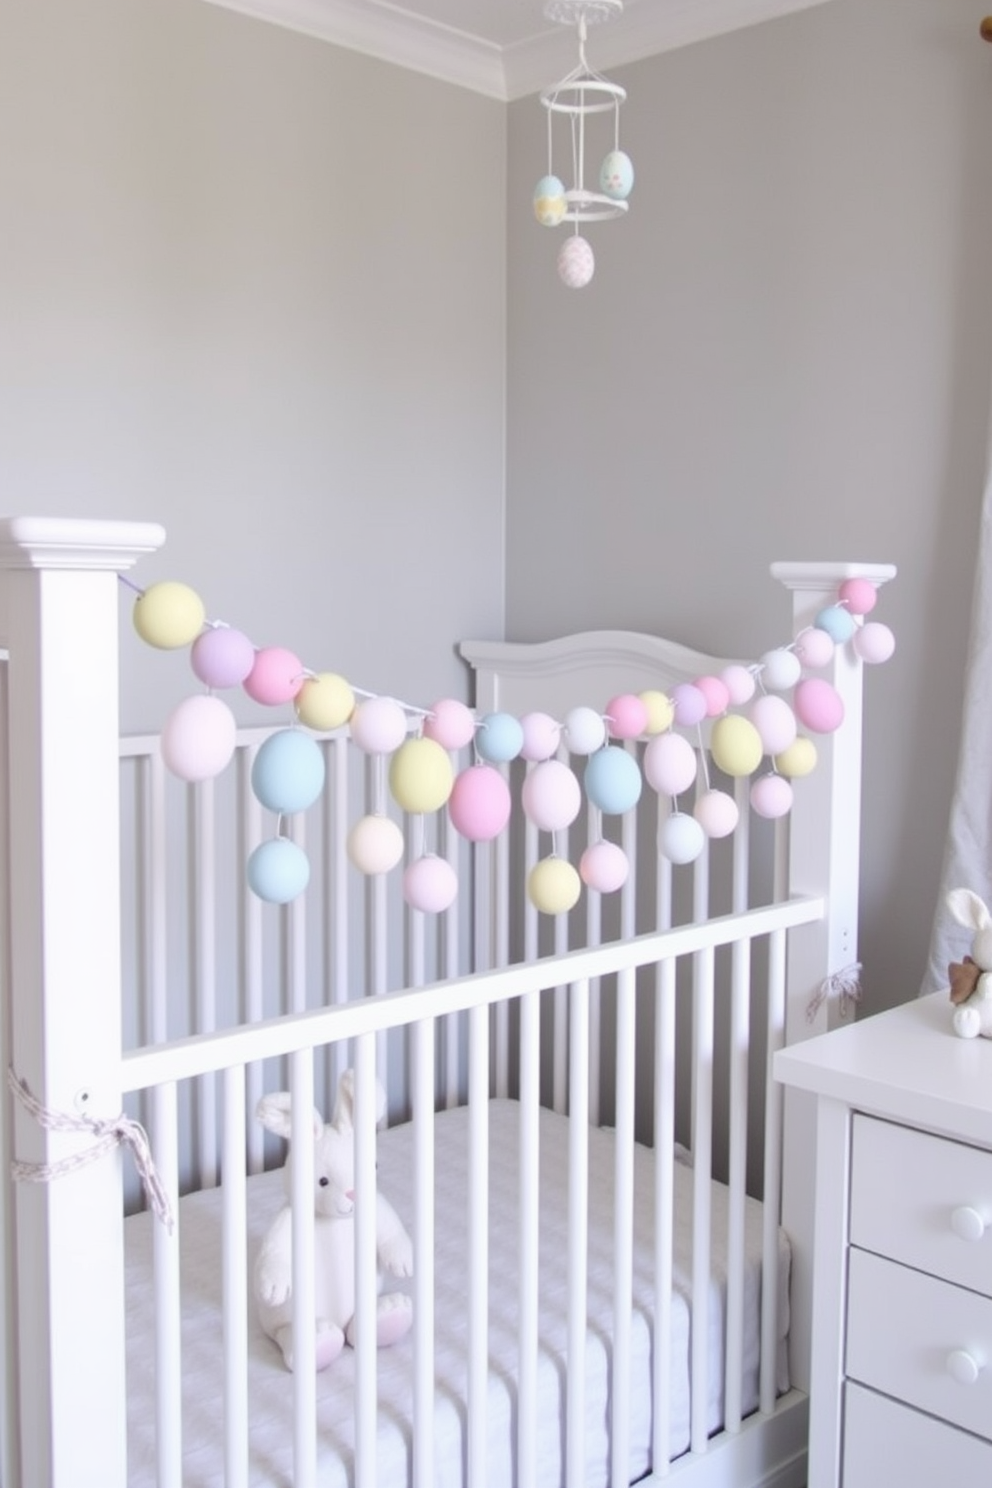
<point x="845" y="984"/>
<point x="108" y="1133"/>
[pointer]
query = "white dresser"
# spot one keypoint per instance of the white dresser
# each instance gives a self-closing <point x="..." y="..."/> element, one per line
<point x="901" y="1367"/>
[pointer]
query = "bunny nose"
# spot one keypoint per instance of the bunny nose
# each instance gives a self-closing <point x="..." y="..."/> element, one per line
<point x="349" y="1193"/>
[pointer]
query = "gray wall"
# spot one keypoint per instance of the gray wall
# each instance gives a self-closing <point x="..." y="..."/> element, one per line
<point x="784" y="353"/>
<point x="244" y="294"/>
<point x="270" y="294"/>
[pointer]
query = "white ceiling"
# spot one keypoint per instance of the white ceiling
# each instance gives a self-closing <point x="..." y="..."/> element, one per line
<point x="506" y="48"/>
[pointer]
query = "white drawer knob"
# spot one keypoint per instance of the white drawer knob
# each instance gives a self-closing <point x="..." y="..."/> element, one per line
<point x="967" y="1223"/>
<point x="963" y="1367"/>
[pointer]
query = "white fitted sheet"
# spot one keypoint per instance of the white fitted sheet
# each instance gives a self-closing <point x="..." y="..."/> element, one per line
<point x="270" y="1384"/>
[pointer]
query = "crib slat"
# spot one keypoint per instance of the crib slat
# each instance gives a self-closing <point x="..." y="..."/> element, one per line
<point x="250" y="914"/>
<point x="578" y="1235"/>
<point x="336" y="941"/>
<point x="301" y="1196"/>
<point x="740" y="999"/>
<point x="664" y="1205"/>
<point x="623" y="1229"/>
<point x="365" y="1262"/>
<point x="235" y="1282"/>
<point x="529" y="1166"/>
<point x="773" y="1176"/>
<point x="204" y="915"/>
<point x="155" y="896"/>
<point x="166" y="1252"/>
<point x="422" y="1049"/>
<point x="478" y="1200"/>
<point x="702" y="1162"/>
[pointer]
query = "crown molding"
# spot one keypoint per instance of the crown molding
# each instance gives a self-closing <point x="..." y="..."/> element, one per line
<point x="393" y="33"/>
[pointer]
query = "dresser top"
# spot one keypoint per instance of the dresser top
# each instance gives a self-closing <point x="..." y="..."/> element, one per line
<point x="907" y="1064"/>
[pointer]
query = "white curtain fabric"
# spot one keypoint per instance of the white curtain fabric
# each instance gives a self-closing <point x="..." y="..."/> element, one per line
<point x="968" y="852"/>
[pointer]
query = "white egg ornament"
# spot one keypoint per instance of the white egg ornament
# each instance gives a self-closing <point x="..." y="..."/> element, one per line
<point x="775" y="722"/>
<point x="551" y="796"/>
<point x="550" y="205"/>
<point x="716" y="813"/>
<point x="670" y="764"/>
<point x="585" y="730"/>
<point x="541" y="735"/>
<point x="780" y="669"/>
<point x="576" y="263"/>
<point x="680" y="838"/>
<point x="616" y="176"/>
<point x="375" y="844"/>
<point x="378" y="725"/>
<point x="199" y="737"/>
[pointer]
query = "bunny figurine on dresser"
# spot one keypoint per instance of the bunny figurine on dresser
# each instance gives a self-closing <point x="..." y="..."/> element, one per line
<point x="971" y="979"/>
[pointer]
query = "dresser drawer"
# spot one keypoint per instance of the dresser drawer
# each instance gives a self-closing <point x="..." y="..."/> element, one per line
<point x="885" y="1442"/>
<point x="922" y="1200"/>
<point x="912" y="1337"/>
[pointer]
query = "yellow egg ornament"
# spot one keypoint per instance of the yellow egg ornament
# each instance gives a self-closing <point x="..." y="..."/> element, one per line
<point x="324" y="702"/>
<point x="735" y="745"/>
<point x="553" y="886"/>
<point x="169" y="615"/>
<point x="421" y="776"/>
<point x="798" y="760"/>
<point x="660" y="710"/>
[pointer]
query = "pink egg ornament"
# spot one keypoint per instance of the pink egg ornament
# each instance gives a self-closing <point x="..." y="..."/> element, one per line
<point x="771" y="796"/>
<point x="626" y="716"/>
<point x="576" y="262"/>
<point x="739" y="682"/>
<point x="716" y="813"/>
<point x="819" y="706"/>
<point x="859" y="595"/>
<point x="450" y="723"/>
<point x="815" y="648"/>
<point x="480" y="803"/>
<point x="604" y="867"/>
<point x="874" y="642"/>
<point x="276" y="676"/>
<point x="717" y="695"/>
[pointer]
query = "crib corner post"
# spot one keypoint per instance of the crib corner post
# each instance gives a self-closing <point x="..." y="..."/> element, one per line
<point x="59" y="605"/>
<point x="824" y="860"/>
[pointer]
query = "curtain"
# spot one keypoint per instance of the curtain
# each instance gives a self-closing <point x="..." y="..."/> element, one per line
<point x="968" y="851"/>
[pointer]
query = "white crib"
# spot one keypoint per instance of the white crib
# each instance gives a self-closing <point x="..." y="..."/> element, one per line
<point x="589" y="1309"/>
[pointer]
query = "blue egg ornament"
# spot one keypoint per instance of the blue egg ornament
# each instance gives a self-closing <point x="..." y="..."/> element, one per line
<point x="613" y="780"/>
<point x="499" y="738"/>
<point x="550" y="205"/>
<point x="278" y="871"/>
<point x="616" y="176"/>
<point x="288" y="771"/>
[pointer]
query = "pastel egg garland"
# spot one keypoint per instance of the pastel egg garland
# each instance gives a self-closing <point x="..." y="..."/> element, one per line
<point x="753" y="713"/>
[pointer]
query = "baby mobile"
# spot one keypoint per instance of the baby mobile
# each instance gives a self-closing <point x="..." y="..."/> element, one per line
<point x="766" y="711"/>
<point x="579" y="96"/>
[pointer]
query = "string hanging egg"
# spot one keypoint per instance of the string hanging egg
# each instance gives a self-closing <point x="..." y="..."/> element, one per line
<point x="430" y="884"/>
<point x="287" y="773"/>
<point x="540" y="736"/>
<point x="375" y="844"/>
<point x="420" y="776"/>
<point x="222" y="657"/>
<point x="670" y="764"/>
<point x="199" y="738"/>
<point x="278" y="871"/>
<point x="276" y="676"/>
<point x="479" y="805"/>
<point x="612" y="780"/>
<point x="168" y="615"/>
<point x="551" y="796"/>
<point x="499" y="738"/>
<point x="553" y="886"/>
<point x="378" y="725"/>
<point x="325" y="702"/>
<point x="604" y="866"/>
<point x="450" y="723"/>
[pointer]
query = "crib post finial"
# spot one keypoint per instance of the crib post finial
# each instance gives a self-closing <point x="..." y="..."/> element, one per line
<point x="61" y="1024"/>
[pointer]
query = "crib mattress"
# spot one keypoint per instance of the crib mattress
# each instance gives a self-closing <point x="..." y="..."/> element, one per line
<point x="270" y="1385"/>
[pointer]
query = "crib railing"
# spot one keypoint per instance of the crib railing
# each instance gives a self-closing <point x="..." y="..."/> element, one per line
<point x="302" y="1037"/>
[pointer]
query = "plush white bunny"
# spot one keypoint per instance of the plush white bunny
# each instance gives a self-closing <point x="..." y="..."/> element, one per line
<point x="334" y="1237"/>
<point x="971" y="979"/>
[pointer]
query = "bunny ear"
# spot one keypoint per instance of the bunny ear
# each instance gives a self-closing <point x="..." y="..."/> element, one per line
<point x="344" y="1110"/>
<point x="968" y="909"/>
<point x="275" y="1112"/>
